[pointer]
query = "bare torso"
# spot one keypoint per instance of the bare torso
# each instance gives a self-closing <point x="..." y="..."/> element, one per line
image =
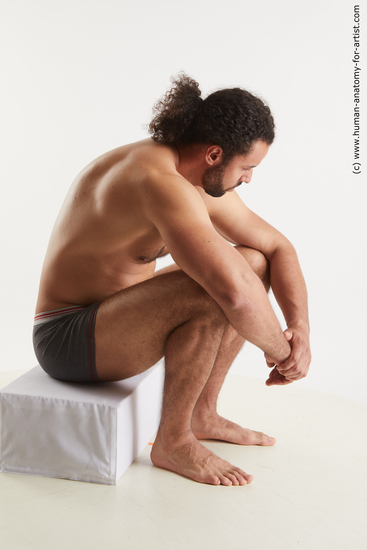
<point x="102" y="242"/>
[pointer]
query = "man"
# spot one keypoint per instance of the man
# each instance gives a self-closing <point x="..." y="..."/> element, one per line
<point x="103" y="314"/>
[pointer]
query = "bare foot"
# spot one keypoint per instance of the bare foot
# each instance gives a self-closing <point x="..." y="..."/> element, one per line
<point x="213" y="426"/>
<point x="189" y="458"/>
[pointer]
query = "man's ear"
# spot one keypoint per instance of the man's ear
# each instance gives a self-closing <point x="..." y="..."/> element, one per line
<point x="214" y="155"/>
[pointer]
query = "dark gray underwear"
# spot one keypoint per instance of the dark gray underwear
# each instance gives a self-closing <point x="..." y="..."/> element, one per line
<point x="63" y="342"/>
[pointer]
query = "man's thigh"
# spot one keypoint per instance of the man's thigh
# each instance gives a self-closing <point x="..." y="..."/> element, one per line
<point x="132" y="326"/>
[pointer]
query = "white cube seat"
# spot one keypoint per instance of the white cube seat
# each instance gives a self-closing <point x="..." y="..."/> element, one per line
<point x="83" y="432"/>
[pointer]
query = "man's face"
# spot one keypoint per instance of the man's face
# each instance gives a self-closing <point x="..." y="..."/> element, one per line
<point x="212" y="180"/>
<point x="222" y="178"/>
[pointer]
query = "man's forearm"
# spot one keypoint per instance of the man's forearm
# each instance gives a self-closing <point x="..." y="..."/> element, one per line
<point x="253" y="317"/>
<point x="290" y="292"/>
<point x="289" y="286"/>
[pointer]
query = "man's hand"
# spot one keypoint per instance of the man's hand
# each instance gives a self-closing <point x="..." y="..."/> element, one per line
<point x="297" y="364"/>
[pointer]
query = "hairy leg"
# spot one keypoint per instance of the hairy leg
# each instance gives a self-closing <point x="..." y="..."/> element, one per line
<point x="168" y="315"/>
<point x="176" y="448"/>
<point x="133" y="325"/>
<point x="206" y="423"/>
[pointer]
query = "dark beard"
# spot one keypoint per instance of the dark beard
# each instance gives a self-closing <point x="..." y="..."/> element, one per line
<point x="212" y="181"/>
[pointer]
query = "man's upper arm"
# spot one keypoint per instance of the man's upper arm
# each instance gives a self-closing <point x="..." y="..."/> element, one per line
<point x="239" y="225"/>
<point x="177" y="210"/>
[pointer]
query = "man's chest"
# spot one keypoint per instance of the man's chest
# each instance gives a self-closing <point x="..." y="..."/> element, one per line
<point x="147" y="247"/>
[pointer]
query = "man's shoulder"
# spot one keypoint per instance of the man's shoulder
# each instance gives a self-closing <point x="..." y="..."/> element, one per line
<point x="155" y="167"/>
<point x="166" y="189"/>
<point x="151" y="154"/>
<point x="138" y="156"/>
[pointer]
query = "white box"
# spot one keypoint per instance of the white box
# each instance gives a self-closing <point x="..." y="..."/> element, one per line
<point x="83" y="432"/>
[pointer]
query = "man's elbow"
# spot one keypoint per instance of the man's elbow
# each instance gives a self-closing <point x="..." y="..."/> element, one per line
<point x="240" y="297"/>
<point x="282" y="245"/>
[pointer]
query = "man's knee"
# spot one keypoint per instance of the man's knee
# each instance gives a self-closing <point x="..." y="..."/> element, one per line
<point x="202" y="304"/>
<point x="258" y="263"/>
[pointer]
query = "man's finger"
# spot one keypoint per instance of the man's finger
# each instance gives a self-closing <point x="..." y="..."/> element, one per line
<point x="290" y="362"/>
<point x="278" y="381"/>
<point x="288" y="335"/>
<point x="288" y="370"/>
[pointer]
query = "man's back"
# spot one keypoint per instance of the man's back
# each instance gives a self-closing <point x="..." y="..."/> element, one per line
<point x="102" y="240"/>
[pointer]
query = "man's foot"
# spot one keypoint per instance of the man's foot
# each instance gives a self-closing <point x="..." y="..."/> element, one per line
<point x="213" y="426"/>
<point x="186" y="456"/>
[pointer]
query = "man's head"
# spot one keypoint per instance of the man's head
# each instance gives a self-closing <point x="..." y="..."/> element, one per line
<point x="232" y="119"/>
<point x="222" y="176"/>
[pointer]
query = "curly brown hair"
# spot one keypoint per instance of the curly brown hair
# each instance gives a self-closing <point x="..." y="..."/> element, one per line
<point x="232" y="118"/>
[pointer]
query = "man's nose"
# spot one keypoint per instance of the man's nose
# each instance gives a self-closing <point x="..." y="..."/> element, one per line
<point x="248" y="177"/>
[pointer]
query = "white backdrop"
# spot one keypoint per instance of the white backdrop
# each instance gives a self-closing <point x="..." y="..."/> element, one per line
<point x="79" y="77"/>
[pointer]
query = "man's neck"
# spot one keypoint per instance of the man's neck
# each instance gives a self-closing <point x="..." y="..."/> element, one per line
<point x="191" y="162"/>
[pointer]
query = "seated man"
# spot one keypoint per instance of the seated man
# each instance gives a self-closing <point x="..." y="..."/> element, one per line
<point x="103" y="314"/>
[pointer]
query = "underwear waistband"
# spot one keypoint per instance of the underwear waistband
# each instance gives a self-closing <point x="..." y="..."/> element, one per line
<point x="53" y="314"/>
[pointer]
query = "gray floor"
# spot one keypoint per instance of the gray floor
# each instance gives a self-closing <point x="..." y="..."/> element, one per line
<point x="309" y="490"/>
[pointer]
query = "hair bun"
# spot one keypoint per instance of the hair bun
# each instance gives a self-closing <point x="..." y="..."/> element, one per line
<point x="175" y="111"/>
